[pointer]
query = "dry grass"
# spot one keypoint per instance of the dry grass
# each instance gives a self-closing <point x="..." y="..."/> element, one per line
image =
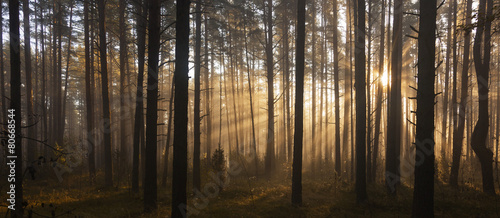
<point x="323" y="196"/>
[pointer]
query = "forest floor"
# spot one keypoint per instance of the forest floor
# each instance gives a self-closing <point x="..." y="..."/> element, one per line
<point x="323" y="196"/>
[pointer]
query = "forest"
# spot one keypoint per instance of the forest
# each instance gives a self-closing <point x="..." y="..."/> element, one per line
<point x="250" y="108"/>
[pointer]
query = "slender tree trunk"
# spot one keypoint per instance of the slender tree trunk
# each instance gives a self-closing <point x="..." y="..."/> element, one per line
<point x="482" y="66"/>
<point x="423" y="193"/>
<point x="313" y="77"/>
<point x="169" y="135"/>
<point x="453" y="111"/>
<point x="68" y="57"/>
<point x="446" y="84"/>
<point x="392" y="176"/>
<point x="31" y="149"/>
<point x="123" y="66"/>
<point x="179" y="198"/>
<point x="254" y="141"/>
<point x="269" y="161"/>
<point x="360" y="87"/>
<point x="368" y="97"/>
<point x="141" y="14"/>
<point x="299" y="106"/>
<point x="88" y="95"/>
<point x="208" y="92"/>
<point x="197" y="120"/>
<point x="15" y="103"/>
<point x="458" y="134"/>
<point x="108" y="169"/>
<point x="380" y="88"/>
<point x="150" y="178"/>
<point x="336" y="72"/>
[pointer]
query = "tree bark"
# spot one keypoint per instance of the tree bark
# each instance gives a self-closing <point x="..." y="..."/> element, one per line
<point x="458" y="134"/>
<point x="360" y="87"/>
<point x="123" y="66"/>
<point x="336" y="72"/>
<point x="299" y="105"/>
<point x="482" y="66"/>
<point x="423" y="193"/>
<point x="108" y="169"/>
<point x="88" y="95"/>
<point x="141" y="14"/>
<point x="380" y="88"/>
<point x="15" y="103"/>
<point x="31" y="148"/>
<point x="197" y="120"/>
<point x="392" y="177"/>
<point x="179" y="198"/>
<point x="269" y="161"/>
<point x="150" y="183"/>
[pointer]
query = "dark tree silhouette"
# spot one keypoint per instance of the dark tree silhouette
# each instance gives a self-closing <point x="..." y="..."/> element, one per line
<point x="108" y="168"/>
<point x="299" y="105"/>
<point x="197" y="120"/>
<point x="150" y="183"/>
<point x="29" y="86"/>
<point x="482" y="42"/>
<point x="336" y="72"/>
<point x="141" y="14"/>
<point x="268" y="16"/>
<point x="458" y="134"/>
<point x="423" y="192"/>
<point x="123" y="72"/>
<point x="88" y="95"/>
<point x="394" y="119"/>
<point x="15" y="103"/>
<point x="179" y="198"/>
<point x="360" y="86"/>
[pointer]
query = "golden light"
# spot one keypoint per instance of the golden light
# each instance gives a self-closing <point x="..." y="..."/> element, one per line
<point x="385" y="79"/>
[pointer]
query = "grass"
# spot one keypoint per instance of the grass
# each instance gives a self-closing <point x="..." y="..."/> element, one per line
<point x="323" y="196"/>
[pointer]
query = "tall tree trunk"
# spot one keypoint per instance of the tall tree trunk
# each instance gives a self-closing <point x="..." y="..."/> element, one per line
<point x="423" y="193"/>
<point x="88" y="95"/>
<point x="254" y="141"/>
<point x="208" y="92"/>
<point x="453" y="111"/>
<point x="68" y="57"/>
<point x="169" y="135"/>
<point x="108" y="169"/>
<point x="336" y="72"/>
<point x="197" y="120"/>
<point x="299" y="105"/>
<point x="123" y="72"/>
<point x="269" y="161"/>
<point x="286" y="71"/>
<point x="360" y="87"/>
<point x="380" y="88"/>
<point x="150" y="183"/>
<point x="31" y="149"/>
<point x="313" y="77"/>
<point x="179" y="198"/>
<point x="141" y="14"/>
<point x="482" y="66"/>
<point x="392" y="175"/>
<point x="368" y="97"/>
<point x="446" y="84"/>
<point x="15" y="104"/>
<point x="458" y="134"/>
<point x="350" y="80"/>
